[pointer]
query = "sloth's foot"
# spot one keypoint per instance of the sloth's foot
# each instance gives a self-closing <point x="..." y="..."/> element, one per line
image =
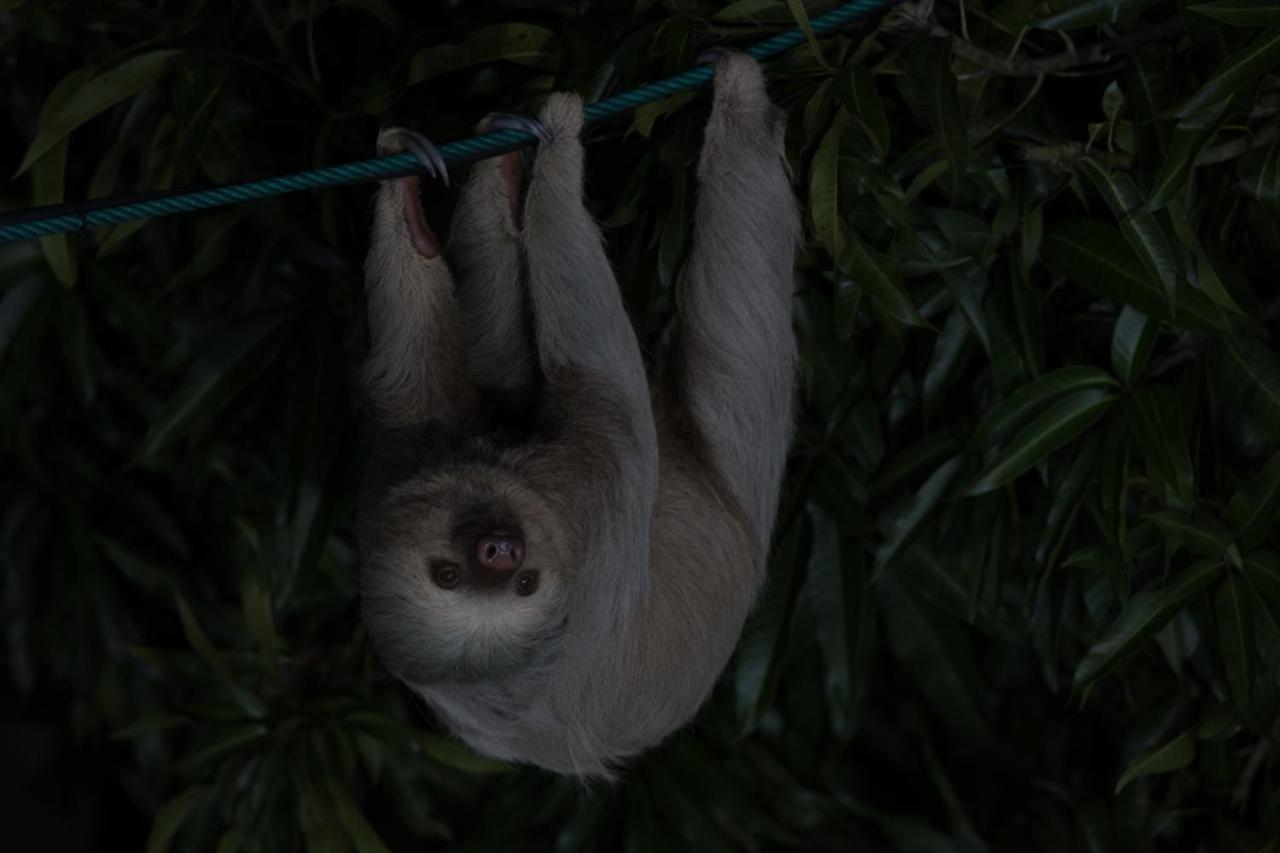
<point x="395" y="140"/>
<point x="512" y="171"/>
<point x="515" y="121"/>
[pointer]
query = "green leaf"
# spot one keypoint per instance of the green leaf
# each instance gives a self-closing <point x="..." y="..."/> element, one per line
<point x="952" y="350"/>
<point x="524" y="44"/>
<point x="170" y="817"/>
<point x="848" y="297"/>
<point x="14" y="307"/>
<point x="913" y="461"/>
<point x="1262" y="572"/>
<point x="1140" y="229"/>
<point x="1019" y="406"/>
<point x="259" y="617"/>
<point x="1166" y="758"/>
<point x="1158" y="425"/>
<point x="48" y="179"/>
<point x="1213" y="272"/>
<point x="1068" y="493"/>
<point x="832" y="593"/>
<point x="925" y="179"/>
<point x="646" y="115"/>
<point x="1198" y="536"/>
<point x="1031" y="239"/>
<point x="824" y="188"/>
<point x="759" y="658"/>
<point x="1144" y="615"/>
<point x="1091" y="13"/>
<point x="1131" y="343"/>
<point x="1190" y="135"/>
<point x="229" y="740"/>
<point x="96" y="96"/>
<point x="879" y="278"/>
<point x="673" y="241"/>
<point x="754" y="11"/>
<point x="211" y="382"/>
<point x="1058" y="426"/>
<point x="138" y="571"/>
<point x="1241" y="13"/>
<point x="204" y="647"/>
<point x="148" y="724"/>
<point x="903" y="520"/>
<point x="856" y="89"/>
<point x="196" y="636"/>
<point x="1235" y="639"/>
<point x="1258" y="57"/>
<point x="454" y="753"/>
<point x="1248" y="372"/>
<point x="1260" y="176"/>
<point x="79" y="352"/>
<point x="362" y="834"/>
<point x="936" y="655"/>
<point x="801" y="18"/>
<point x="1253" y="510"/>
<point x="929" y="66"/>
<point x="1096" y="256"/>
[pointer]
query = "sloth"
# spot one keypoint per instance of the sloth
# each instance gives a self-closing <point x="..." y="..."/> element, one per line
<point x="558" y="549"/>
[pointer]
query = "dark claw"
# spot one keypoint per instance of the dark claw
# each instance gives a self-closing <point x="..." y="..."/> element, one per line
<point x="516" y="121"/>
<point x="714" y="54"/>
<point x="427" y="153"/>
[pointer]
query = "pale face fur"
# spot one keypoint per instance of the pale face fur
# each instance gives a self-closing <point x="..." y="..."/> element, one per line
<point x="481" y="627"/>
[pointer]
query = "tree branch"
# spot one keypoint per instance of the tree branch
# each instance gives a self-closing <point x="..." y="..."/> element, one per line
<point x="1089" y="55"/>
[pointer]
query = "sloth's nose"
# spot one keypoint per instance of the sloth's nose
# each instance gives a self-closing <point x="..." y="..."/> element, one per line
<point x="500" y="553"/>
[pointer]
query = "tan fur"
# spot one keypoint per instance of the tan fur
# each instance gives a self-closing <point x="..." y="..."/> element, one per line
<point x="646" y="504"/>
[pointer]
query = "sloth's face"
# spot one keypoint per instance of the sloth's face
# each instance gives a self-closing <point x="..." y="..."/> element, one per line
<point x="466" y="578"/>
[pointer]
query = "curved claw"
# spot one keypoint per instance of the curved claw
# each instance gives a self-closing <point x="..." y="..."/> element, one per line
<point x="426" y="152"/>
<point x="715" y="53"/>
<point x="516" y="121"/>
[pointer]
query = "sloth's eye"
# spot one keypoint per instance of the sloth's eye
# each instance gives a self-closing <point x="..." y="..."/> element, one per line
<point x="526" y="583"/>
<point x="446" y="576"/>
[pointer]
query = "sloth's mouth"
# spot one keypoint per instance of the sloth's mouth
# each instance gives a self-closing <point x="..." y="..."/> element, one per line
<point x="424" y="239"/>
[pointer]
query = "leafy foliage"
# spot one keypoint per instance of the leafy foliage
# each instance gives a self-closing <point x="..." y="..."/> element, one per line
<point x="1025" y="589"/>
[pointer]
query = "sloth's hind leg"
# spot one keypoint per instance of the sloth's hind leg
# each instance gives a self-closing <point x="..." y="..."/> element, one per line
<point x="492" y="294"/>
<point x="735" y="367"/>
<point x="414" y="373"/>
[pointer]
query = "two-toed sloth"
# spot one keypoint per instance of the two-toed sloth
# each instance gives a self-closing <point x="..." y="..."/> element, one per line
<point x="559" y="551"/>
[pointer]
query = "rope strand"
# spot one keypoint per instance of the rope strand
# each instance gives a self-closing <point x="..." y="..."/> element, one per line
<point x="76" y="216"/>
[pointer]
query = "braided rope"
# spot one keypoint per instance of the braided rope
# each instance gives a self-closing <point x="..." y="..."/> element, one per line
<point x="43" y="221"/>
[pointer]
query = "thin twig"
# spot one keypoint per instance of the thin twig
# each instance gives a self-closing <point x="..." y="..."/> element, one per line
<point x="1058" y="62"/>
<point x="1240" y="145"/>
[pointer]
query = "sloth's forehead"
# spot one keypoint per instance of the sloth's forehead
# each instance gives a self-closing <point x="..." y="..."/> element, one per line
<point x="469" y="489"/>
<point x="473" y="498"/>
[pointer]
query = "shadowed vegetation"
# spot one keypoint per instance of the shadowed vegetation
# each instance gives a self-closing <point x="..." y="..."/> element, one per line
<point x="1025" y="590"/>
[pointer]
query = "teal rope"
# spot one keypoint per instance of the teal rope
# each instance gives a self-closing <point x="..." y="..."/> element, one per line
<point x="43" y="221"/>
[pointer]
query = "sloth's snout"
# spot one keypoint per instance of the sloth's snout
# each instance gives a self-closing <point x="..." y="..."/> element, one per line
<point x="500" y="553"/>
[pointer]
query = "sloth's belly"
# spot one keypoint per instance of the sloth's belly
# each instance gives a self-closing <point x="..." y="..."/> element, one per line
<point x="705" y="569"/>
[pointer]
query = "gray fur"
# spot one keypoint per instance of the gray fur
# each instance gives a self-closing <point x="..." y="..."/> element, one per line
<point x="646" y="504"/>
<point x="486" y="250"/>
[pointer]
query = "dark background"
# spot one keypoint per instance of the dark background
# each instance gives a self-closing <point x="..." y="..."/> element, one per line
<point x="1025" y="582"/>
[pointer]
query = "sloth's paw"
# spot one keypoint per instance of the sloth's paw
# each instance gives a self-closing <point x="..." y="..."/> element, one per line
<point x="561" y="116"/>
<point x="396" y="140"/>
<point x="515" y="121"/>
